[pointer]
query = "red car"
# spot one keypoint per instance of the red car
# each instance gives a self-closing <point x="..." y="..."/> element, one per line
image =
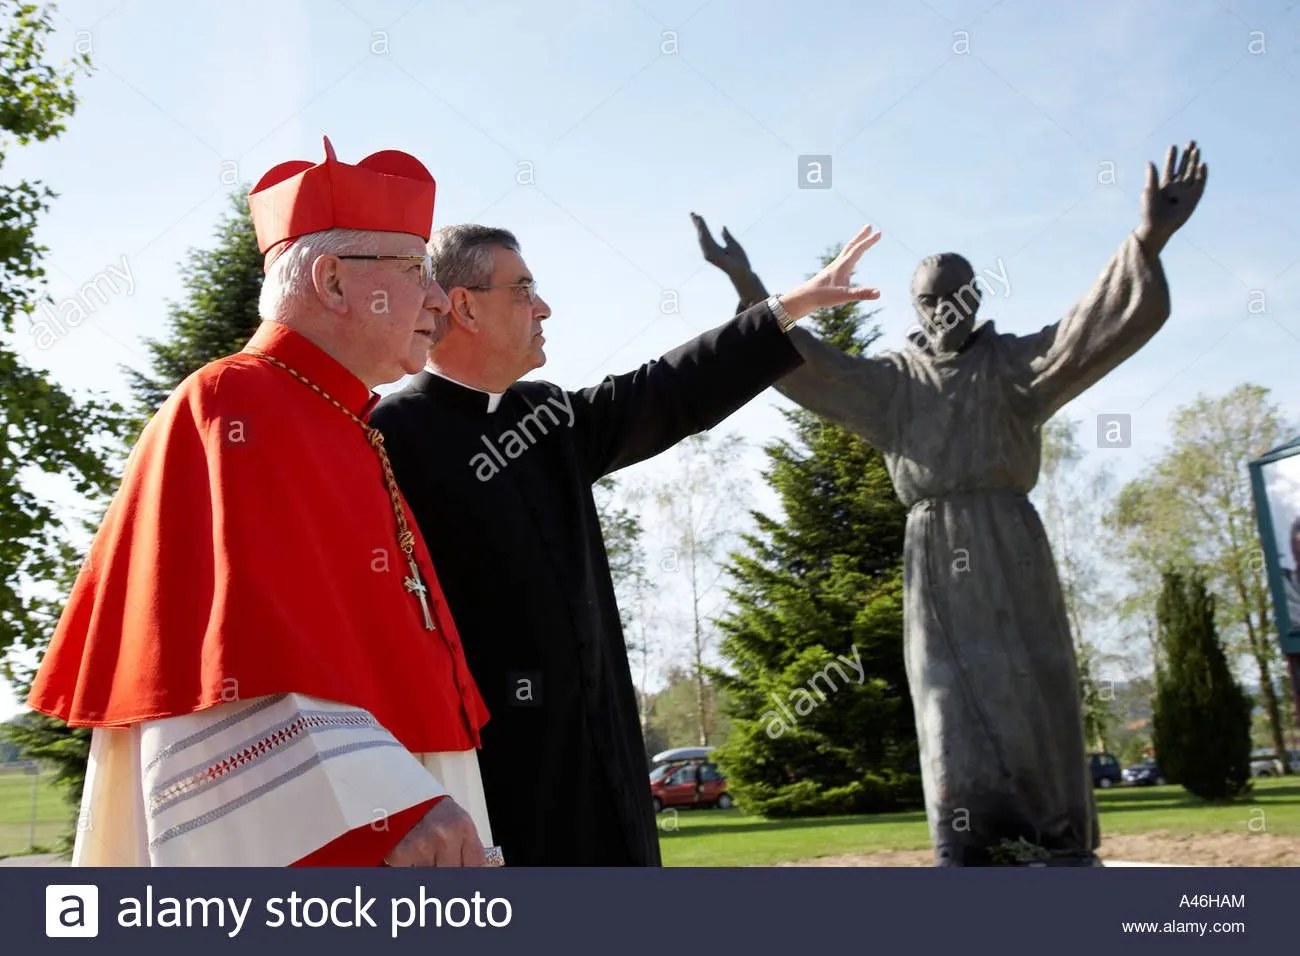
<point x="694" y="783"/>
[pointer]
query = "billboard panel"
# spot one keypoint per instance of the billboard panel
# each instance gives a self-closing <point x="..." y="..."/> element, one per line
<point x="1275" y="479"/>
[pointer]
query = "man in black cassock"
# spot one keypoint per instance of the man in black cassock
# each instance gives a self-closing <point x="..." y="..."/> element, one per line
<point x="499" y="472"/>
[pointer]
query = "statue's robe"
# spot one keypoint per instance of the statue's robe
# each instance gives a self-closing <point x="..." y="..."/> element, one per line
<point x="990" y="660"/>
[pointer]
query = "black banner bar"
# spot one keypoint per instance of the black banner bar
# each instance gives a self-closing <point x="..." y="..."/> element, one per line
<point x="630" y="911"/>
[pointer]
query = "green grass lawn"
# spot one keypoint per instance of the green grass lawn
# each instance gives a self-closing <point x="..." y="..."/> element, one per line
<point x="53" y="815"/>
<point x="731" y="838"/>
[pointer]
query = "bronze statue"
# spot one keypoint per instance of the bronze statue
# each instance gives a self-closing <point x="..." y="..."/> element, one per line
<point x="957" y="415"/>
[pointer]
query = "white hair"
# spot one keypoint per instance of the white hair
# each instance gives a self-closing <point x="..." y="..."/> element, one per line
<point x="288" y="283"/>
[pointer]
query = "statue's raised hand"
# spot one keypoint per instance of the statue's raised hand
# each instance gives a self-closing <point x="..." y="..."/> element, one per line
<point x="830" y="287"/>
<point x="730" y="258"/>
<point x="1168" y="204"/>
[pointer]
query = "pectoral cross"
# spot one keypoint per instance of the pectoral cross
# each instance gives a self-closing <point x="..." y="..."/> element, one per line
<point x="419" y="589"/>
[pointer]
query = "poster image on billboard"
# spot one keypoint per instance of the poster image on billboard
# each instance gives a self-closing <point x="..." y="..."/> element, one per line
<point x="1276" y="483"/>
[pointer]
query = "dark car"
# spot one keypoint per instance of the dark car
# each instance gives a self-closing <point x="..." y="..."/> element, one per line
<point x="1105" y="770"/>
<point x="1145" y="774"/>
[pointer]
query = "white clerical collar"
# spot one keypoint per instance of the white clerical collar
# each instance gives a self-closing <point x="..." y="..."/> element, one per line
<point x="494" y="398"/>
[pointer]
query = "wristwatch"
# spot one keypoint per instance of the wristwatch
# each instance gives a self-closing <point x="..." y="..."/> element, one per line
<point x="782" y="316"/>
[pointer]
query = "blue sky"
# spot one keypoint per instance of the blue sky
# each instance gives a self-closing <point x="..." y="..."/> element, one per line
<point x="592" y="128"/>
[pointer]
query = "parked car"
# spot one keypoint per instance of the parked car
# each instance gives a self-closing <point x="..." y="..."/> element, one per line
<point x="691" y="783"/>
<point x="1145" y="774"/>
<point x="1105" y="770"/>
<point x="1265" y="763"/>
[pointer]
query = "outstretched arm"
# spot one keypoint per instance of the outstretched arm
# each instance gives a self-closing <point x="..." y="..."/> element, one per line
<point x="1129" y="301"/>
<point x="634" y="416"/>
<point x="856" y="393"/>
<point x="1127" y="304"/>
<point x="860" y="393"/>
<point x="628" y="418"/>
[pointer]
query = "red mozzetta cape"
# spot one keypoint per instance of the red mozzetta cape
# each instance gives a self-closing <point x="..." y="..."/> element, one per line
<point x="252" y="550"/>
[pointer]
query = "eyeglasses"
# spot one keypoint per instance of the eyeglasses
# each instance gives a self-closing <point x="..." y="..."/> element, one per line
<point x="528" y="287"/>
<point x="426" y="264"/>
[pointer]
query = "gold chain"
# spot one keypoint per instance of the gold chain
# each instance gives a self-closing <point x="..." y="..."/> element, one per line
<point x="405" y="539"/>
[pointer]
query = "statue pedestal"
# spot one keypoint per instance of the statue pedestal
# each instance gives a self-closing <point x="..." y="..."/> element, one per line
<point x="1010" y="854"/>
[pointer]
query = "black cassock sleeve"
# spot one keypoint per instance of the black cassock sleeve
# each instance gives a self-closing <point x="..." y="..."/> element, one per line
<point x="634" y="416"/>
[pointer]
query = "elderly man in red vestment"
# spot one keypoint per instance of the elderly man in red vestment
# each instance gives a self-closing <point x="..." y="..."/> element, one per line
<point x="258" y="638"/>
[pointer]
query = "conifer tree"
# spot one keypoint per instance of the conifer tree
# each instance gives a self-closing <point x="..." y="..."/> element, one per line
<point x="217" y="318"/>
<point x="1202" y="716"/>
<point x="816" y="689"/>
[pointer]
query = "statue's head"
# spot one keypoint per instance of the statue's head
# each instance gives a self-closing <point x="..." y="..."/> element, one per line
<point x="946" y="295"/>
